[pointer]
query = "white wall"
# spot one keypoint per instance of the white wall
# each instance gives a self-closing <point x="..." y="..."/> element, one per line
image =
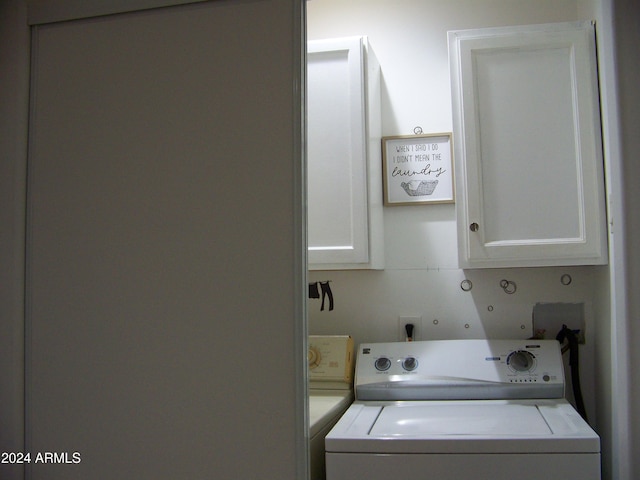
<point x="606" y="387"/>
<point x="620" y="74"/>
<point x="421" y="277"/>
<point x="627" y="37"/>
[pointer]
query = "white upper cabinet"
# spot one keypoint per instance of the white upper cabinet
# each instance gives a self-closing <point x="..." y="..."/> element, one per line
<point x="344" y="155"/>
<point x="529" y="169"/>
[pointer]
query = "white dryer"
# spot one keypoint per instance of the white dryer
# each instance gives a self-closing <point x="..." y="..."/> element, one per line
<point x="461" y="409"/>
<point x="331" y="361"/>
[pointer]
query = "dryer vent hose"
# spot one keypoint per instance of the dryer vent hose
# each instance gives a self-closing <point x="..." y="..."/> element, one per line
<point x="574" y="361"/>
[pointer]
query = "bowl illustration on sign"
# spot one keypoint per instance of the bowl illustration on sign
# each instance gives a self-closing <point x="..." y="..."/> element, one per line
<point x="419" y="188"/>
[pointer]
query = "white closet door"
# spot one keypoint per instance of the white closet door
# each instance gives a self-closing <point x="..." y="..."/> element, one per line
<point x="165" y="254"/>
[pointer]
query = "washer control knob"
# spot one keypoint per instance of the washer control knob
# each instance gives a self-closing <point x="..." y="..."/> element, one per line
<point x="410" y="364"/>
<point x="382" y="364"/>
<point x="521" y="361"/>
<point x="314" y="357"/>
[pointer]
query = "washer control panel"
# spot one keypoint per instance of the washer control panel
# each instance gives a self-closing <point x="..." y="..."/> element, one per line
<point x="459" y="369"/>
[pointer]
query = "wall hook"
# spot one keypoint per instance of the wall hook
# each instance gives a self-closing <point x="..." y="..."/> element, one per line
<point x="508" y="286"/>
<point x="566" y="279"/>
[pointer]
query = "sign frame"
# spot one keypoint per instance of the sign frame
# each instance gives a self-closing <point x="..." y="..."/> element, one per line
<point x="418" y="169"/>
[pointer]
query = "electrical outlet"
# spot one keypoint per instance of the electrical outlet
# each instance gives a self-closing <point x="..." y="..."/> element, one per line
<point x="548" y="319"/>
<point x="417" y="327"/>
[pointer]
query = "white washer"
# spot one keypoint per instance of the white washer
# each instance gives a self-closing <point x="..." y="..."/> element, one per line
<point x="330" y="391"/>
<point x="461" y="409"/>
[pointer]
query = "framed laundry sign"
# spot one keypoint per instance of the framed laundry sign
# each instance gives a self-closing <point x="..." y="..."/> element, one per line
<point x="418" y="169"/>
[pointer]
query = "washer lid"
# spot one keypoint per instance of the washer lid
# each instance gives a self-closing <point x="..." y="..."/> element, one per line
<point x="469" y="419"/>
<point x="462" y="426"/>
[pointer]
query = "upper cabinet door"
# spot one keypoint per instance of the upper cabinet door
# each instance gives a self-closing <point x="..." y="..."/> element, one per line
<point x="530" y="183"/>
<point x="344" y="165"/>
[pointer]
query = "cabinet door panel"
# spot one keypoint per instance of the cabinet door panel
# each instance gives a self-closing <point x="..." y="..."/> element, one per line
<point x="529" y="161"/>
<point x="344" y="160"/>
<point x="541" y="185"/>
<point x="337" y="190"/>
